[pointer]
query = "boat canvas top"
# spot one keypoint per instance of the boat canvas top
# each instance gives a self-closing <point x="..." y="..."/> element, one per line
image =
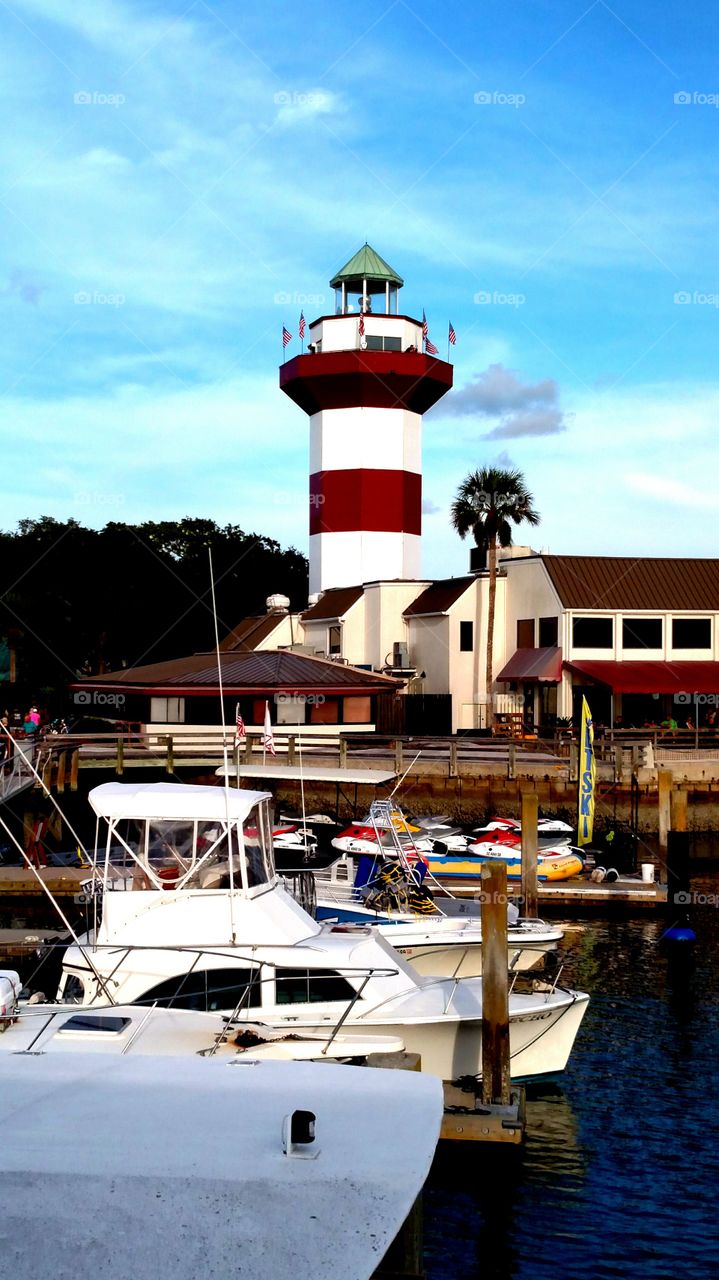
<point x="168" y="800"/>
<point x="184" y="1167"/>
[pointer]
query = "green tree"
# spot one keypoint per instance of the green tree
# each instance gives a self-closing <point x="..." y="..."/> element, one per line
<point x="488" y="502"/>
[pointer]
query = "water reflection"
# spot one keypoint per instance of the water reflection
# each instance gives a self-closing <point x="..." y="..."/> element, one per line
<point x="620" y="1167"/>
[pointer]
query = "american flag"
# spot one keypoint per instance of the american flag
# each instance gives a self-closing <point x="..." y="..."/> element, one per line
<point x="302" y="325"/>
<point x="286" y="336"/>
<point x="239" y="726"/>
<point x="268" y="742"/>
<point x="430" y="348"/>
<point x="452" y="334"/>
<point x="425" y="330"/>
<point x="361" y="325"/>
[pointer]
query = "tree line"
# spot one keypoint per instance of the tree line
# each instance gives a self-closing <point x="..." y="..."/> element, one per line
<point x="76" y="601"/>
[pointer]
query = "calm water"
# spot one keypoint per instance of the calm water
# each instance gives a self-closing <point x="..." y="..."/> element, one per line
<point x="619" y="1175"/>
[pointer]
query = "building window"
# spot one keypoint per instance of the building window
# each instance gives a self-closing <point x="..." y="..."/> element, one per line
<point x="593" y="633"/>
<point x="466" y="637"/>
<point x="548" y="633"/>
<point x="375" y="343"/>
<point x="357" y="709"/>
<point x="691" y="633"/>
<point x="167" y="710"/>
<point x="641" y="633"/>
<point x="334" y="641"/>
<point x="291" y="708"/>
<point x="525" y="633"/>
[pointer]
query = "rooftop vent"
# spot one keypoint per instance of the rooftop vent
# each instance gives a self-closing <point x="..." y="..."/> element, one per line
<point x="278" y="604"/>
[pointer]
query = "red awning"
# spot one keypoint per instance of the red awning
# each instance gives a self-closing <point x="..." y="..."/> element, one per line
<point x="651" y="677"/>
<point x="534" y="664"/>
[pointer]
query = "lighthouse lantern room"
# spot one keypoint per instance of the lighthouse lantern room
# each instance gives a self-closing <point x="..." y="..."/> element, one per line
<point x="365" y="383"/>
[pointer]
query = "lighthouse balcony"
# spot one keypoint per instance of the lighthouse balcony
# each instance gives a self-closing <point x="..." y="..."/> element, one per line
<point x="381" y="379"/>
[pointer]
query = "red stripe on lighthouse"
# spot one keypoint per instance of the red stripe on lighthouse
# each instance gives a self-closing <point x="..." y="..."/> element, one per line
<point x="365" y="500"/>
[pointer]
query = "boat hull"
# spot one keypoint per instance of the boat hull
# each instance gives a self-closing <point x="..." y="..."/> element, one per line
<point x="550" y="867"/>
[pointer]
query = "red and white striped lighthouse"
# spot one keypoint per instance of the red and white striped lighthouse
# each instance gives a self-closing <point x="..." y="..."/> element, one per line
<point x="365" y="382"/>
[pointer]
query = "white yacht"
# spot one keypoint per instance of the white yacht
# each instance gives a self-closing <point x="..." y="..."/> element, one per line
<point x="196" y="919"/>
<point x="132" y="1146"/>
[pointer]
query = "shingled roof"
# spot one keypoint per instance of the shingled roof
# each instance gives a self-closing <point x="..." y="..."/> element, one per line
<point x="334" y="603"/>
<point x="438" y="597"/>
<point x="252" y="631"/>
<point x="633" y="582"/>
<point x="266" y="672"/>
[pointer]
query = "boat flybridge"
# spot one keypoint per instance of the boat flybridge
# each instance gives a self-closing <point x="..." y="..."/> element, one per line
<point x="189" y="914"/>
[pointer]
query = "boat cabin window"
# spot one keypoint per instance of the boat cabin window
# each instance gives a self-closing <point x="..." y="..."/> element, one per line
<point x="259" y="858"/>
<point x="207" y="990"/>
<point x="104" y="1024"/>
<point x="311" y="986"/>
<point x="74" y="989"/>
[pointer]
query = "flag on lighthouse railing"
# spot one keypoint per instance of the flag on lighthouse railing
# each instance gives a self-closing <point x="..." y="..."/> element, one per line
<point x="286" y="335"/>
<point x="360" y="329"/>
<point x="425" y="329"/>
<point x="239" y="726"/>
<point x="430" y="348"/>
<point x="302" y="325"/>
<point x="268" y="742"/>
<point x="452" y="335"/>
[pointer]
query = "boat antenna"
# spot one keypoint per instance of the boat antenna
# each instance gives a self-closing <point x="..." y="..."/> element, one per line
<point x="224" y="748"/>
<point x="100" y="980"/>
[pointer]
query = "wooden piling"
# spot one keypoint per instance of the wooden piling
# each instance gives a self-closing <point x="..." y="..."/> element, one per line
<point x="511" y="760"/>
<point x="495" y="987"/>
<point x="530" y="844"/>
<point x="170" y="758"/>
<point x="291" y="746"/>
<point x="74" y="766"/>
<point x="453" y="769"/>
<point x="618" y="762"/>
<point x="120" y="759"/>
<point x="398" y="755"/>
<point x="664" y="795"/>
<point x="679" y="810"/>
<point x="61" y="767"/>
<point x="343" y="753"/>
<point x="573" y="762"/>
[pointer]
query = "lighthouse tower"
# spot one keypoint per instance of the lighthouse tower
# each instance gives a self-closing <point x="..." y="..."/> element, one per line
<point x="365" y="383"/>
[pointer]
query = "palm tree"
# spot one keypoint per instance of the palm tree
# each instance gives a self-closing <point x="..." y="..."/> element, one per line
<point x="487" y="504"/>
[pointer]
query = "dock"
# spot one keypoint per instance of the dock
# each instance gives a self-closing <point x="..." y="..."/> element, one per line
<point x="580" y="894"/>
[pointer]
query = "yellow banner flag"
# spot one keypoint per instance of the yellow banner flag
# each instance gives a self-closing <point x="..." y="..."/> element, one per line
<point x="587" y="777"/>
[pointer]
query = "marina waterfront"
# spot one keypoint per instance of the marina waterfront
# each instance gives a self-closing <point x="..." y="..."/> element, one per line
<point x="619" y="1170"/>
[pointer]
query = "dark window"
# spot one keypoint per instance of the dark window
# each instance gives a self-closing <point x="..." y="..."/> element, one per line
<point x="548" y="632"/>
<point x="642" y="633"/>
<point x="593" y="633"/>
<point x="311" y="986"/>
<point x="207" y="990"/>
<point x="393" y="344"/>
<point x="691" y="633"/>
<point x="373" y="344"/>
<point x="466" y="637"/>
<point x="525" y="633"/>
<point x="105" y="1023"/>
<point x="334" y="643"/>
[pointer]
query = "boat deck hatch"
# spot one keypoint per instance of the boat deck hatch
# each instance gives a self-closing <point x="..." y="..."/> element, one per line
<point x="104" y="1024"/>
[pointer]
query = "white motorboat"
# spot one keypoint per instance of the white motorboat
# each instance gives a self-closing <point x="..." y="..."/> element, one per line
<point x="125" y="1149"/>
<point x="446" y="942"/>
<point x="551" y="832"/>
<point x="197" y="919"/>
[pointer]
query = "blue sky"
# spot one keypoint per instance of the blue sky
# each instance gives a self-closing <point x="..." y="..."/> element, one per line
<point x="178" y="180"/>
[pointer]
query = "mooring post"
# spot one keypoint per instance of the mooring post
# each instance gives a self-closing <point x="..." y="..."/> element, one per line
<point x="291" y="749"/>
<point x="453" y="758"/>
<point x="511" y="759"/>
<point x="573" y="762"/>
<point x="120" y="761"/>
<point x="664" y="797"/>
<point x="678" y="893"/>
<point x="398" y="755"/>
<point x="170" y="760"/>
<point x="61" y="767"/>
<point x="74" y="766"/>
<point x="679" y="809"/>
<point x="343" y="753"/>
<point x="495" y="987"/>
<point x="530" y="841"/>
<point x="618" y="762"/>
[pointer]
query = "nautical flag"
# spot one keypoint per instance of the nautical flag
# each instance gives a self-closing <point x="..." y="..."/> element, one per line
<point x="430" y="348"/>
<point x="239" y="726"/>
<point x="302" y="325"/>
<point x="268" y="742"/>
<point x="587" y="778"/>
<point x="452" y="334"/>
<point x="361" y="325"/>
<point x="425" y="330"/>
<point x="286" y="336"/>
